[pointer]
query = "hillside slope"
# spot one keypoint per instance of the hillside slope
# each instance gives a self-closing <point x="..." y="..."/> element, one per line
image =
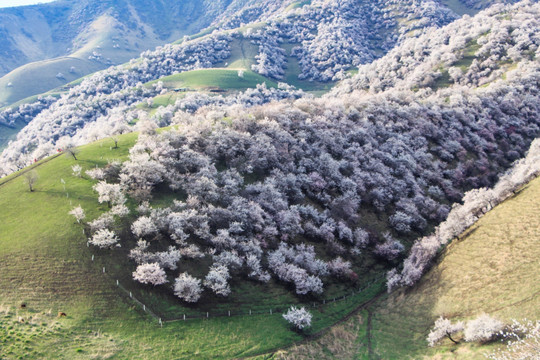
<point x="492" y="268"/>
<point x="309" y="46"/>
<point x="47" y="266"/>
<point x="48" y="45"/>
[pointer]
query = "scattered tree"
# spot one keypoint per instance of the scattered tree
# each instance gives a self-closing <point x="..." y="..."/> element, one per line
<point x="31" y="177"/>
<point x="482" y="329"/>
<point x="443" y="328"/>
<point x="104" y="238"/>
<point x="78" y="213"/>
<point x="187" y="288"/>
<point x="216" y="280"/>
<point x="300" y="318"/>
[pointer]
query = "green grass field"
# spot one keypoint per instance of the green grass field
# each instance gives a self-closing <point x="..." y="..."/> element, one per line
<point x="40" y="77"/>
<point x="46" y="264"/>
<point x="492" y="268"/>
<point x="225" y="79"/>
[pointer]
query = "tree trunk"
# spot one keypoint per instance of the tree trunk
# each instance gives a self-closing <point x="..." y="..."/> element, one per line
<point x="450" y="337"/>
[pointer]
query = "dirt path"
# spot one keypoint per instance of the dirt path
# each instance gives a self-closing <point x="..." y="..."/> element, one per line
<point x="368" y="334"/>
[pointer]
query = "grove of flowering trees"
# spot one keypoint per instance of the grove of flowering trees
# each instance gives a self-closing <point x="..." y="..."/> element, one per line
<point x="299" y="192"/>
<point x="284" y="190"/>
<point x="328" y="38"/>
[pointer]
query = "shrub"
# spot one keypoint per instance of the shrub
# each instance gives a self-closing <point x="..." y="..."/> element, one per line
<point x="482" y="329"/>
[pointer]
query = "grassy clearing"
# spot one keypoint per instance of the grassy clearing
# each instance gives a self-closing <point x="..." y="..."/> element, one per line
<point x="493" y="268"/>
<point x="206" y="80"/>
<point x="469" y="54"/>
<point x="293" y="70"/>
<point x="297" y="5"/>
<point x="243" y="54"/>
<point x="46" y="265"/>
<point x="225" y="79"/>
<point x="459" y="8"/>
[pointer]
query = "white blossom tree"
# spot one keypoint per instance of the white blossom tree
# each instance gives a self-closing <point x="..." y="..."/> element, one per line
<point x="120" y="210"/>
<point x="110" y="193"/>
<point x="150" y="274"/>
<point x="188" y="288"/>
<point x="216" y="280"/>
<point x="522" y="341"/>
<point x="144" y="226"/>
<point x="300" y="318"/>
<point x="104" y="238"/>
<point x="443" y="328"/>
<point x="482" y="329"/>
<point x="78" y="213"/>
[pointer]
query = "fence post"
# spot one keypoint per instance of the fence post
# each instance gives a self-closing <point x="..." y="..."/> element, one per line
<point x="130" y="295"/>
<point x="207" y="314"/>
<point x="117" y="283"/>
<point x="229" y="312"/>
<point x="144" y="307"/>
<point x="249" y="311"/>
<point x="184" y="317"/>
<point x="160" y="322"/>
<point x="104" y="269"/>
<point x="270" y="311"/>
<point x="92" y="257"/>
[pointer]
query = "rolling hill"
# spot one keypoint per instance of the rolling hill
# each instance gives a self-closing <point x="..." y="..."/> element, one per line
<point x="287" y="46"/>
<point x="48" y="45"/>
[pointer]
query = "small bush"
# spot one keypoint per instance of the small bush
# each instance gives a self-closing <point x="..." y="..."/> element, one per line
<point x="482" y="329"/>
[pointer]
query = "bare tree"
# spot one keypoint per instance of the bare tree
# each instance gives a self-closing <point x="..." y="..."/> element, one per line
<point x="115" y="138"/>
<point x="71" y="150"/>
<point x="31" y="177"/>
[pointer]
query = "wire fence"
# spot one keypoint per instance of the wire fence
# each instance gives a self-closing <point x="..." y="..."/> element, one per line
<point x="274" y="309"/>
